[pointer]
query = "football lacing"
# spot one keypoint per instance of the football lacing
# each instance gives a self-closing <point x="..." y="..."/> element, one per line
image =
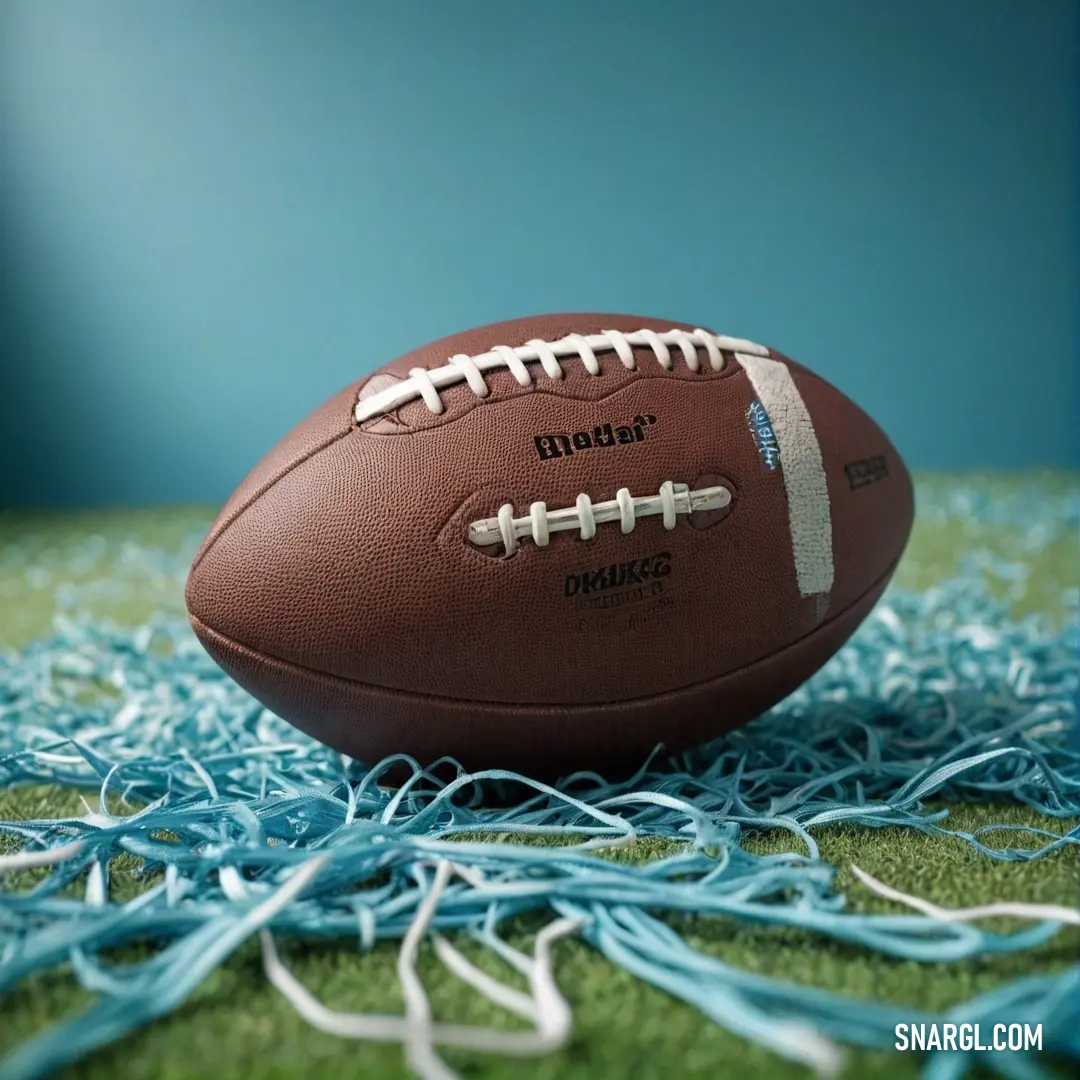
<point x="426" y="383"/>
<point x="585" y="515"/>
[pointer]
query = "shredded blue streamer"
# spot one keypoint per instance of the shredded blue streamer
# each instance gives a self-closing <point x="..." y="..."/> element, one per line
<point x="938" y="695"/>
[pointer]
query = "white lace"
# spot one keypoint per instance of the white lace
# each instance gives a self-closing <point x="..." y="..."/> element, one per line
<point x="426" y="383"/>
<point x="586" y="515"/>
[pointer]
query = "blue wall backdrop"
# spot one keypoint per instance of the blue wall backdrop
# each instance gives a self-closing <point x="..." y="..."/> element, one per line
<point x="212" y="216"/>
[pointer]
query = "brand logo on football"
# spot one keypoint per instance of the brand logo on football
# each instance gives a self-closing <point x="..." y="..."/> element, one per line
<point x="868" y="471"/>
<point x="764" y="436"/>
<point x="618" y="575"/>
<point x="560" y="444"/>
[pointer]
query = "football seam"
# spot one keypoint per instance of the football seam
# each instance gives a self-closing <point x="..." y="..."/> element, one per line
<point x="491" y="401"/>
<point x="256" y="495"/>
<point x="421" y="696"/>
<point x="425" y="382"/>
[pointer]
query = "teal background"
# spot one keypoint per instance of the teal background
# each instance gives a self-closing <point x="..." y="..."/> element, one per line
<point x="212" y="216"/>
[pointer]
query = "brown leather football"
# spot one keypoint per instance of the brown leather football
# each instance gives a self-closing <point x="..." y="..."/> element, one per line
<point x="551" y="543"/>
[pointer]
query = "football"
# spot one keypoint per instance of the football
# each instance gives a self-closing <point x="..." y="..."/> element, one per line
<point x="551" y="543"/>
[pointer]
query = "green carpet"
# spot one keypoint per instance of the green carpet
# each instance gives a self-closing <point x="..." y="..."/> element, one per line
<point x="237" y="1026"/>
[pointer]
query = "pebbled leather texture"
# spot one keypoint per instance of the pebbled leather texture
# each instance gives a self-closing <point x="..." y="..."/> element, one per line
<point x="339" y="586"/>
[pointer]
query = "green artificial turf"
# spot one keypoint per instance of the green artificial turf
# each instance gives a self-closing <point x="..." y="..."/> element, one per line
<point x="237" y="1026"/>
